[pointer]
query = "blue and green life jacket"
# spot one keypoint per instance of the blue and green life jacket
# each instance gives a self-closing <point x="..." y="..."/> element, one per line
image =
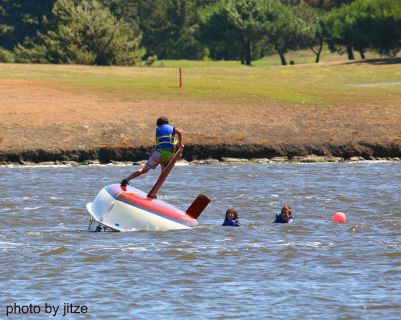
<point x="165" y="142"/>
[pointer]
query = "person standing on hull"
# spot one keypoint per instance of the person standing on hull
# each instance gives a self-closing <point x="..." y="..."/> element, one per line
<point x="164" y="149"/>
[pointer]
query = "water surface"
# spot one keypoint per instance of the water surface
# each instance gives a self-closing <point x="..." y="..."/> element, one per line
<point x="313" y="269"/>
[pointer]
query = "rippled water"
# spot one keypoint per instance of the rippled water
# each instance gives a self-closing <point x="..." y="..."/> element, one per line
<point x="314" y="269"/>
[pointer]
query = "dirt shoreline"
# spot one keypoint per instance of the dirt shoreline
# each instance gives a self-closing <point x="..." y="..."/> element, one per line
<point x="44" y="121"/>
<point x="220" y="152"/>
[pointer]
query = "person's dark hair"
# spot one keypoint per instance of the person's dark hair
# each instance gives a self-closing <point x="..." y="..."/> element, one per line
<point x="235" y="213"/>
<point x="286" y="207"/>
<point x="161" y="121"/>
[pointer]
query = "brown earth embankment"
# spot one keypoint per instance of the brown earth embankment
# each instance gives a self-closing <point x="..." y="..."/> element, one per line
<point x="303" y="153"/>
<point x="41" y="122"/>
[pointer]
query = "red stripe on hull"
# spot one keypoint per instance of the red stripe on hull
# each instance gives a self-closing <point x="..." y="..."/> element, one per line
<point x="138" y="198"/>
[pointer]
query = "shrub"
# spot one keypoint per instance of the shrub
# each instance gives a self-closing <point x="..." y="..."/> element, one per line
<point x="6" y="56"/>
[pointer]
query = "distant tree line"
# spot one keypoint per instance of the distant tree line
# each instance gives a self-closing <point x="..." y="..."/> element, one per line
<point x="124" y="32"/>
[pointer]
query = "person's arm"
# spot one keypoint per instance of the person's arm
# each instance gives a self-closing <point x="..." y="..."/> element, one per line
<point x="178" y="132"/>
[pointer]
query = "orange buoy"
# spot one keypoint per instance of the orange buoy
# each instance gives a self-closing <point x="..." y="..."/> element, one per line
<point x="339" y="217"/>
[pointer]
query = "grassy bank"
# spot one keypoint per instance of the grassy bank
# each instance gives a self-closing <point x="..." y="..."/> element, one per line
<point x="323" y="85"/>
<point x="81" y="107"/>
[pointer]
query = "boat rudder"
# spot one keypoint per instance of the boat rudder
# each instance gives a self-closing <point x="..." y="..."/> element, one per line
<point x="199" y="204"/>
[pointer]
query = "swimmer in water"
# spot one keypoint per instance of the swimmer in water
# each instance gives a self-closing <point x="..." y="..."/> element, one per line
<point x="231" y="218"/>
<point x="285" y="216"/>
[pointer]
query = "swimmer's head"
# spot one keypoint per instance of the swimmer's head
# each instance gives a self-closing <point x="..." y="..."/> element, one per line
<point x="286" y="213"/>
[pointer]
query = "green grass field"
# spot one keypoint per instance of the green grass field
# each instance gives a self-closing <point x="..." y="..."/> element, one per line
<point x="325" y="84"/>
<point x="304" y="103"/>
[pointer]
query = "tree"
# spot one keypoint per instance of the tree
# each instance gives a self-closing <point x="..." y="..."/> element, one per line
<point x="6" y="56"/>
<point x="5" y="28"/>
<point x="323" y="4"/>
<point x="316" y="45"/>
<point x="365" y="24"/>
<point x="218" y="33"/>
<point x="20" y="19"/>
<point x="338" y="28"/>
<point x="237" y="22"/>
<point x="169" y="27"/>
<point x="376" y="25"/>
<point x="291" y="28"/>
<point x="248" y="24"/>
<point x="85" y="33"/>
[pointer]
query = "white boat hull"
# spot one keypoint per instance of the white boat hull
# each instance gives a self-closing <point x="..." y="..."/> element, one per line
<point x="131" y="210"/>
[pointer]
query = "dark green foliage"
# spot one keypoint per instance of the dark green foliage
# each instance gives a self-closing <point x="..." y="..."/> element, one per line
<point x="245" y="24"/>
<point x="106" y="32"/>
<point x="20" y="19"/>
<point x="169" y="27"/>
<point x="292" y="28"/>
<point x="377" y="25"/>
<point x="85" y="33"/>
<point x="219" y="32"/>
<point x="6" y="56"/>
<point x="323" y="4"/>
<point x="365" y="24"/>
<point x="236" y="26"/>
